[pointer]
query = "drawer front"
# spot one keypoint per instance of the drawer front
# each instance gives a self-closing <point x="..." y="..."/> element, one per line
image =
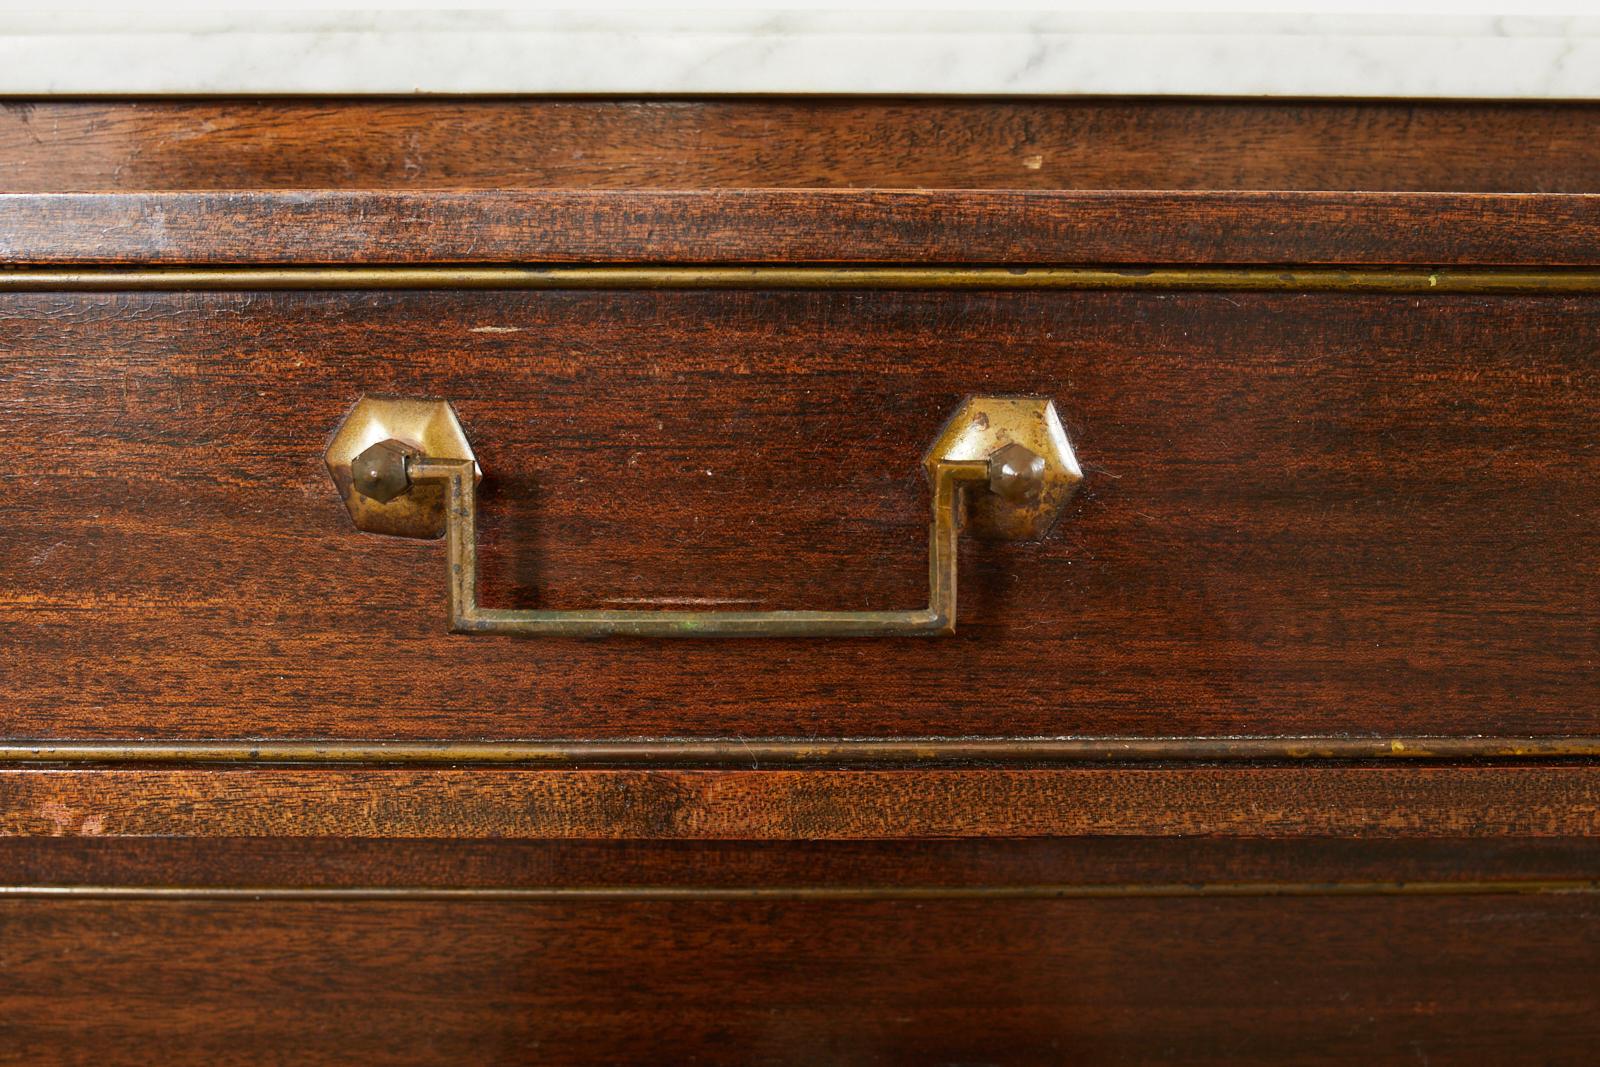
<point x="1303" y="513"/>
<point x="1202" y="981"/>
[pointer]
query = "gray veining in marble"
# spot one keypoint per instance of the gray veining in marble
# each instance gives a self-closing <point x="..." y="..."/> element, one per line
<point x="766" y="52"/>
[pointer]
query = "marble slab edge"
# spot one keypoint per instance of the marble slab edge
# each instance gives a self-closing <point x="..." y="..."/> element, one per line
<point x="713" y="53"/>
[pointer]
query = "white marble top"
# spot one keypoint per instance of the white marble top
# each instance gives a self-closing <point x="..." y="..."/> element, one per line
<point x="108" y="52"/>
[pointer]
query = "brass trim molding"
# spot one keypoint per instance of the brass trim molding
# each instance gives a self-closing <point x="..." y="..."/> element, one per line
<point x="759" y="753"/>
<point x="538" y="894"/>
<point x="1264" y="279"/>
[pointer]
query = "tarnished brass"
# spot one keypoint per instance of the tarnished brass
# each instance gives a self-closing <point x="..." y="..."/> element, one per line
<point x="758" y="752"/>
<point x="1032" y="472"/>
<point x="367" y="457"/>
<point x="883" y="891"/>
<point x="1156" y="279"/>
<point x="1016" y="473"/>
<point x="1012" y="449"/>
<point x="379" y="473"/>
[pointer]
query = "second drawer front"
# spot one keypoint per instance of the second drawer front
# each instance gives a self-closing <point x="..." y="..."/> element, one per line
<point x="1302" y="513"/>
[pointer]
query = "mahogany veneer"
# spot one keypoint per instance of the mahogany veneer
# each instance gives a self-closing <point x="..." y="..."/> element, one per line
<point x="1281" y="747"/>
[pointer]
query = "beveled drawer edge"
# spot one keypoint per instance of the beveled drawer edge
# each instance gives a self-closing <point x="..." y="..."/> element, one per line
<point x="781" y="227"/>
<point x="1170" y="278"/>
<point x="786" y="752"/>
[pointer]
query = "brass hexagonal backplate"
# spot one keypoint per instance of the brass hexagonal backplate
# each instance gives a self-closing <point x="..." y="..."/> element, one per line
<point x="983" y="425"/>
<point x="430" y="427"/>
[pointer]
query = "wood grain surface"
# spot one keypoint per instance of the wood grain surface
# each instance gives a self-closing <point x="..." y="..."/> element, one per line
<point x="787" y="226"/>
<point x="1335" y="515"/>
<point x="1206" y="981"/>
<point x="1331" y="864"/>
<point x="1304" y="514"/>
<point x="56" y="145"/>
<point x="1324" y="515"/>
<point x="804" y="805"/>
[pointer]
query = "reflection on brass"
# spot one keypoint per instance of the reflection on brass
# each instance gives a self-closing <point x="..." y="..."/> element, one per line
<point x="1031" y="471"/>
<point x="404" y="467"/>
<point x="1220" y="279"/>
<point x="366" y="458"/>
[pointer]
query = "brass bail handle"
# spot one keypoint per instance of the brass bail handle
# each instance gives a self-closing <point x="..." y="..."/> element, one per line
<point x="403" y="467"/>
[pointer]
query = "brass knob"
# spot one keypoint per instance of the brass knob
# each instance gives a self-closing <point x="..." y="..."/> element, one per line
<point x="1016" y="473"/>
<point x="379" y="472"/>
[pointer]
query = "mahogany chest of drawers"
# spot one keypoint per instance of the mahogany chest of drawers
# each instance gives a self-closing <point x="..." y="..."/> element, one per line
<point x="799" y="582"/>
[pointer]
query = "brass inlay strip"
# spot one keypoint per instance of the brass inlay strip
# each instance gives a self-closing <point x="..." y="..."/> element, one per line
<point x="479" y="895"/>
<point x="777" y="752"/>
<point x="1266" y="279"/>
